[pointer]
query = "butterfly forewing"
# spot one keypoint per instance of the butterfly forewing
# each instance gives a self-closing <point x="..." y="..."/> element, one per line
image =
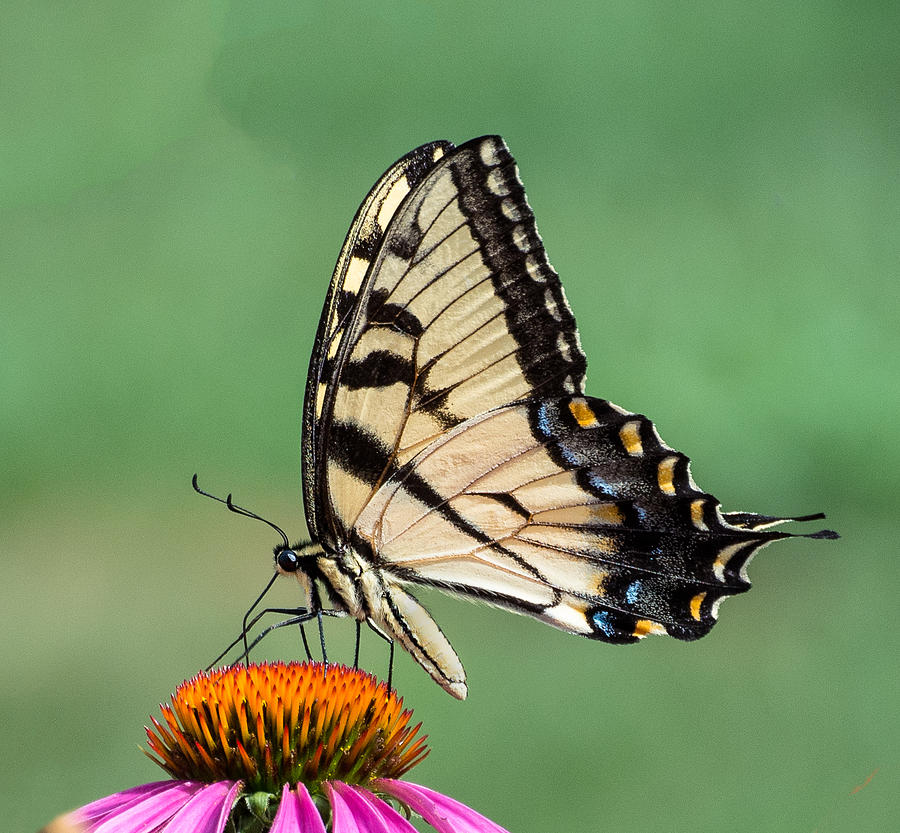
<point x="459" y="312"/>
<point x="362" y="244"/>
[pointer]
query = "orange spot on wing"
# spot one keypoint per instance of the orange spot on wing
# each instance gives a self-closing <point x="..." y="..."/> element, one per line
<point x="583" y="414"/>
<point x="644" y="626"/>
<point x="607" y="513"/>
<point x="697" y="515"/>
<point x="695" y="605"/>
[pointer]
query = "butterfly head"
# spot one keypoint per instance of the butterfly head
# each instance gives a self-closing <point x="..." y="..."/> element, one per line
<point x="286" y="561"/>
<point x="300" y="557"/>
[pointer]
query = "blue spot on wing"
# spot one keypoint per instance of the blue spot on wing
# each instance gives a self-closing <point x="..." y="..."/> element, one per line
<point x="602" y="621"/>
<point x="633" y="592"/>
<point x="613" y="626"/>
<point x="543" y="419"/>
<point x="599" y="483"/>
<point x="551" y="428"/>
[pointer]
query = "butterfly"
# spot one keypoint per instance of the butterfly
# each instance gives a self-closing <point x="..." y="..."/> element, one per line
<point x="448" y="441"/>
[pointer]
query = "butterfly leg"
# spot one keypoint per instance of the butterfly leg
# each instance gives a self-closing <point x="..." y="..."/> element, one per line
<point x="248" y="626"/>
<point x="390" y="678"/>
<point x="299" y="615"/>
<point x="375" y="629"/>
<point x="305" y="642"/>
<point x="322" y="636"/>
<point x="302" y="615"/>
<point x="259" y="598"/>
<point x="356" y="649"/>
<point x="294" y="620"/>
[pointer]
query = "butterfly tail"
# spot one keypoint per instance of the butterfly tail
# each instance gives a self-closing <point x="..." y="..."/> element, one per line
<point x="750" y="520"/>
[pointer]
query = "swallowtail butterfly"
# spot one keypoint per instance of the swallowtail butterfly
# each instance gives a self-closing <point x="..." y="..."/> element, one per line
<point x="448" y="441"/>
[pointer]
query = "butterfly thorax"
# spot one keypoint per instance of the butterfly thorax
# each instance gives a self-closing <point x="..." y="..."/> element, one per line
<point x="346" y="578"/>
<point x="343" y="574"/>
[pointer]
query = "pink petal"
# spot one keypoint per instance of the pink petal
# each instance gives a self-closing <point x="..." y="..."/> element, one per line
<point x="117" y="801"/>
<point x="151" y="811"/>
<point x="396" y="822"/>
<point x="310" y="820"/>
<point x="365" y="815"/>
<point x="287" y="819"/>
<point x="343" y="820"/>
<point x="444" y="814"/>
<point x="297" y="813"/>
<point x="207" y="811"/>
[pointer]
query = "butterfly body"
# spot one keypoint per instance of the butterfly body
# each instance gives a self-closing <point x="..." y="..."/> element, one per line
<point x="369" y="594"/>
<point x="448" y="441"/>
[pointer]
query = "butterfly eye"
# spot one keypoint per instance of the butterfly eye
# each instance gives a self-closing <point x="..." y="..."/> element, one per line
<point x="287" y="561"/>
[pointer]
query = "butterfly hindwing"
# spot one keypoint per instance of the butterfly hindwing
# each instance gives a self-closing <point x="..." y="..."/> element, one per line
<point x="570" y="510"/>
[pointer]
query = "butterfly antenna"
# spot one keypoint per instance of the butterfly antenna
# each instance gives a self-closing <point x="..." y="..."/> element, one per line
<point x="239" y="510"/>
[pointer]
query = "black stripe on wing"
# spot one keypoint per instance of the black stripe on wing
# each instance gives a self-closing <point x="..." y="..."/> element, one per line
<point x="496" y="212"/>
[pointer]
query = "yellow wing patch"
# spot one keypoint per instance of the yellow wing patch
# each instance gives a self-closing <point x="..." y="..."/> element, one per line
<point x="630" y="435"/>
<point x="643" y="627"/>
<point x="666" y="475"/>
<point x="697" y="514"/>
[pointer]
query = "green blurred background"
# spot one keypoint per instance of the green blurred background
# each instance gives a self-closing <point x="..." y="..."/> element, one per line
<point x="717" y="184"/>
